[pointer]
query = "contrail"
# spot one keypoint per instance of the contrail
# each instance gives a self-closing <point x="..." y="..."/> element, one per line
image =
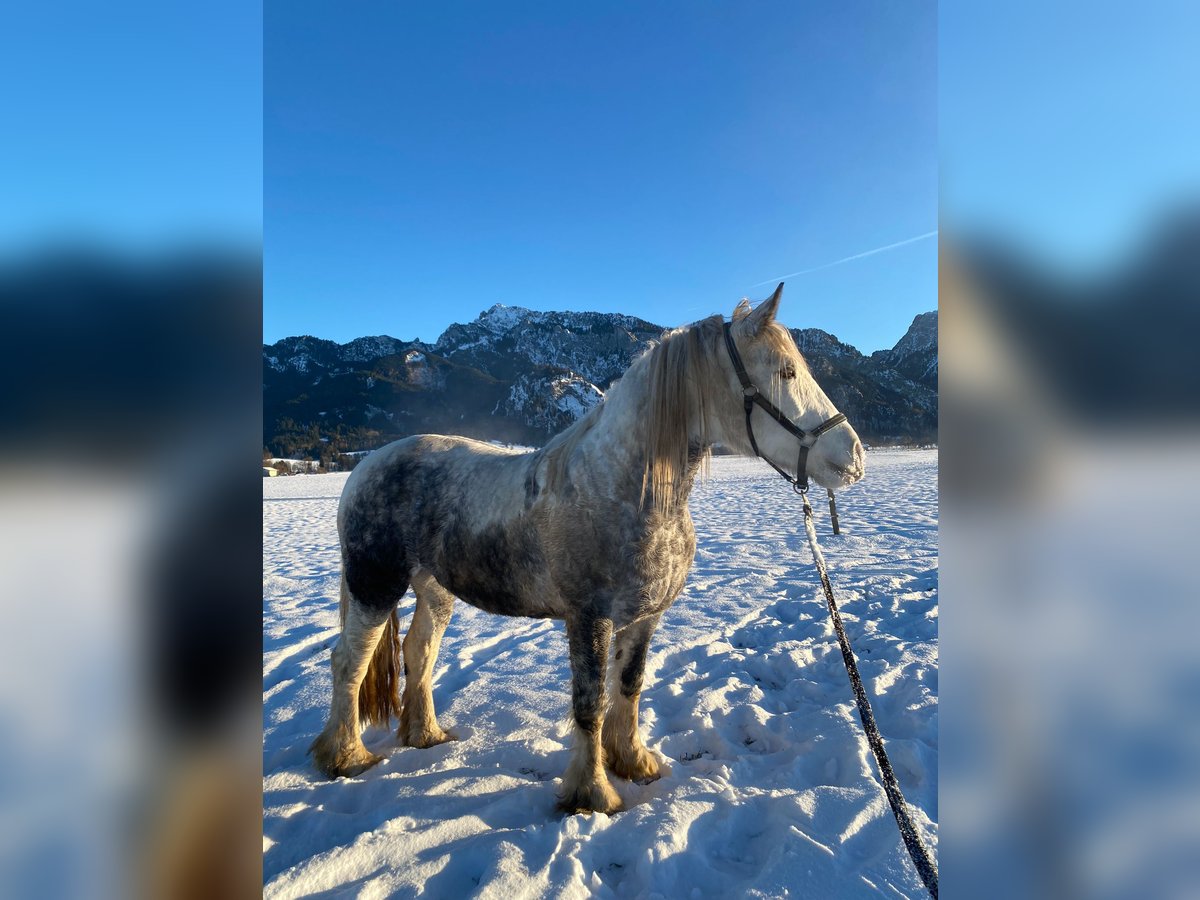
<point x="911" y="240"/>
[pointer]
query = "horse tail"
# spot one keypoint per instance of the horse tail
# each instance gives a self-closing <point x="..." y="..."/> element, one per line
<point x="379" y="694"/>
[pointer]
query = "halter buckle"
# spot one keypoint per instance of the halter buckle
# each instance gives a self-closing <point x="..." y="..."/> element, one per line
<point x="750" y="391"/>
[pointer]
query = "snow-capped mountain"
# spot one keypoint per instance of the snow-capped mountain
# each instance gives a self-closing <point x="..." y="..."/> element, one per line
<point x="549" y="401"/>
<point x="507" y="341"/>
<point x="305" y="353"/>
<point x="915" y="354"/>
<point x="515" y="374"/>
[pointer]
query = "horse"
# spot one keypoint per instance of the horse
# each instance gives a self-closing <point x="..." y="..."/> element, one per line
<point x="592" y="529"/>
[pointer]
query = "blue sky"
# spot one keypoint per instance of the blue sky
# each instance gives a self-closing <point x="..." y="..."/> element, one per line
<point x="135" y="124"/>
<point x="1068" y="128"/>
<point x="424" y="161"/>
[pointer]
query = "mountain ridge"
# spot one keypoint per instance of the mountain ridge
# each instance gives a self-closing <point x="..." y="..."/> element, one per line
<point x="515" y="374"/>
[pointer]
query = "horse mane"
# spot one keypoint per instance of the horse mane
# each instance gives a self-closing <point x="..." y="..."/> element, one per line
<point x="679" y="372"/>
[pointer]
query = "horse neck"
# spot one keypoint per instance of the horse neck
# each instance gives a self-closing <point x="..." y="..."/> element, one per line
<point x="617" y="447"/>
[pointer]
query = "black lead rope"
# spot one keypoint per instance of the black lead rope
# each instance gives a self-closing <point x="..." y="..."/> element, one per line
<point x="917" y="850"/>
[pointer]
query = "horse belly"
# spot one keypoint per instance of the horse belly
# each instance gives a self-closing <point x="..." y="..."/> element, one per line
<point x="499" y="569"/>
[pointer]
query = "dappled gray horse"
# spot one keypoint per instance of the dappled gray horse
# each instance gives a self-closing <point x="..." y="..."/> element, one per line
<point x="593" y="529"/>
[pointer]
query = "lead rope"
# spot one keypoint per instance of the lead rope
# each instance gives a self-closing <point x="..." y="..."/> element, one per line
<point x="917" y="850"/>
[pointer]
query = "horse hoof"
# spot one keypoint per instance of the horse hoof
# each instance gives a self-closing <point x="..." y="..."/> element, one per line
<point x="426" y="739"/>
<point x="360" y="765"/>
<point x="641" y="766"/>
<point x="342" y="762"/>
<point x="599" y="798"/>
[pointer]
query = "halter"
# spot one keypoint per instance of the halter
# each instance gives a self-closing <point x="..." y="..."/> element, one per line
<point x="751" y="396"/>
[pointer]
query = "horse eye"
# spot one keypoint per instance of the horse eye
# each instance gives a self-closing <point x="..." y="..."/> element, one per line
<point x="787" y="373"/>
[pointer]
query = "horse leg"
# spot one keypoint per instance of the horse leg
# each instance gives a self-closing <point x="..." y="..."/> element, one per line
<point x="585" y="785"/>
<point x="339" y="749"/>
<point x="418" y="723"/>
<point x="624" y="751"/>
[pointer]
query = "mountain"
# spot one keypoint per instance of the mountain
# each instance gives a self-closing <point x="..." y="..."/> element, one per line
<point x="518" y="375"/>
<point x="891" y="396"/>
<point x="915" y="354"/>
<point x="508" y="341"/>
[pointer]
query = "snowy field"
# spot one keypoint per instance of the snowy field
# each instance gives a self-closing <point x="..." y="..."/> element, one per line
<point x="771" y="790"/>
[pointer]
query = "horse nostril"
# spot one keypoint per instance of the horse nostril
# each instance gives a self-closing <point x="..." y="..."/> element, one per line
<point x="857" y="464"/>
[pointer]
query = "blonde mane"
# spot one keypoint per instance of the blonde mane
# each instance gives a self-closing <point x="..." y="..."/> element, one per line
<point x="680" y="372"/>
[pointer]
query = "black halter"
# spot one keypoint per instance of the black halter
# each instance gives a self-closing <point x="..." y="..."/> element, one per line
<point x="752" y="396"/>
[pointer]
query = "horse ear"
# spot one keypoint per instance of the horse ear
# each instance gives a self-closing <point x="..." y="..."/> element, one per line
<point x="765" y="311"/>
<point x="741" y="310"/>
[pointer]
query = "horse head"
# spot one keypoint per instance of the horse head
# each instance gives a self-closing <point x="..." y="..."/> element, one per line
<point x="774" y="366"/>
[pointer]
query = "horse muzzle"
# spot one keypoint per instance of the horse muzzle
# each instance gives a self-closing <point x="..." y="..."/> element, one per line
<point x="851" y="471"/>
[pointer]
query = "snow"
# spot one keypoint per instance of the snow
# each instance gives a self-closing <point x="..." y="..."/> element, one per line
<point x="574" y="395"/>
<point x="296" y="465"/>
<point x="419" y="371"/>
<point x="500" y="318"/>
<point x="550" y="402"/>
<point x="366" y="349"/>
<point x="921" y="336"/>
<point x="370" y="410"/>
<point x="771" y="788"/>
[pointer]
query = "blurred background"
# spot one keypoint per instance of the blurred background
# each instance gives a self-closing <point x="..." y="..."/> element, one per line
<point x="130" y="296"/>
<point x="1070" y="420"/>
<point x="130" y="303"/>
